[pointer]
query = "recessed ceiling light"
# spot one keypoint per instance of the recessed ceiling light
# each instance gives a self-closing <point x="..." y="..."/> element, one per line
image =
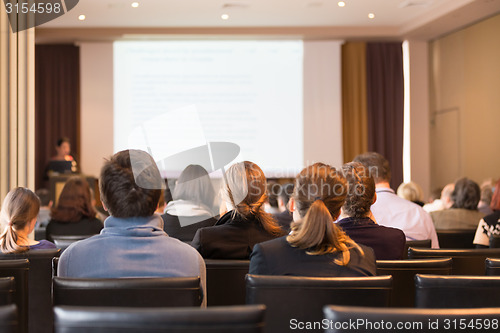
<point x="341" y="4"/>
<point x="224" y="16"/>
<point x="371" y="15"/>
<point x="135" y="4"/>
<point x="81" y="17"/>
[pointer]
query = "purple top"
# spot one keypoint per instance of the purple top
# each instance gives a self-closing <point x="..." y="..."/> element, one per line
<point x="43" y="245"/>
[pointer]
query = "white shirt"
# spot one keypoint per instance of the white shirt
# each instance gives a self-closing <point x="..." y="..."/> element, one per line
<point x="392" y="211"/>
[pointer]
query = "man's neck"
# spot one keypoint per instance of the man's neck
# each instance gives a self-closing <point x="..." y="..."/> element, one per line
<point x="383" y="185"/>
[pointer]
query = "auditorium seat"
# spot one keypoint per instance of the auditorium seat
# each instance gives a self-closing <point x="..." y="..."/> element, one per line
<point x="240" y="319"/>
<point x="465" y="261"/>
<point x="40" y="286"/>
<point x="403" y="276"/>
<point x="492" y="267"/>
<point x="436" y="291"/>
<point x="128" y="292"/>
<point x="456" y="238"/>
<point x="302" y="298"/>
<point x="62" y="242"/>
<point x="226" y="281"/>
<point x="366" y="319"/>
<point x="416" y="243"/>
<point x="8" y="319"/>
<point x="7" y="290"/>
<point x="19" y="270"/>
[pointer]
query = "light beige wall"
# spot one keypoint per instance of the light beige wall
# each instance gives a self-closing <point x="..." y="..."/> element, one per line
<point x="465" y="103"/>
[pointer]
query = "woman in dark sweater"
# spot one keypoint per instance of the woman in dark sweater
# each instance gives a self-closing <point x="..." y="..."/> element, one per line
<point x="74" y="213"/>
<point x="246" y="223"/>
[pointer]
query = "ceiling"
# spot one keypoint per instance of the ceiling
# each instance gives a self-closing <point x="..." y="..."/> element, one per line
<point x="394" y="19"/>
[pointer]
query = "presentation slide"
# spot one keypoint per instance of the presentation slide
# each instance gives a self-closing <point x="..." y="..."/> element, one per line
<point x="211" y="103"/>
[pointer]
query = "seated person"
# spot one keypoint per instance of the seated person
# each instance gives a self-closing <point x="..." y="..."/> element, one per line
<point x="284" y="217"/>
<point x="246" y="223"/>
<point x="490" y="224"/>
<point x="444" y="201"/>
<point x="132" y="243"/>
<point x="358" y="222"/>
<point x="316" y="246"/>
<point x="463" y="214"/>
<point x="74" y="213"/>
<point x="392" y="211"/>
<point x="19" y="213"/>
<point x="411" y="191"/>
<point x="193" y="204"/>
<point x="45" y="206"/>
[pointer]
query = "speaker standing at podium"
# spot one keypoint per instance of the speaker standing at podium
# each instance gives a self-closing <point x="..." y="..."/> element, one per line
<point x="63" y="162"/>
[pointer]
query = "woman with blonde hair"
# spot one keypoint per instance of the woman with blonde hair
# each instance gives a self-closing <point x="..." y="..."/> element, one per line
<point x="246" y="223"/>
<point x="18" y="216"/>
<point x="315" y="245"/>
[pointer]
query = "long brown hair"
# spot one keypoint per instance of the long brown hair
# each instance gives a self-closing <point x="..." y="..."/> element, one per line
<point x="19" y="208"/>
<point x="245" y="189"/>
<point x="319" y="193"/>
<point x="74" y="202"/>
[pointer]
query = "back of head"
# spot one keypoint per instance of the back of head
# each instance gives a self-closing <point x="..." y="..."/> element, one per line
<point x="245" y="189"/>
<point x="75" y="201"/>
<point x="466" y="194"/>
<point x="319" y="193"/>
<point x="194" y="185"/>
<point x="410" y="191"/>
<point x="19" y="208"/>
<point x="44" y="195"/>
<point x="361" y="190"/>
<point x="285" y="193"/>
<point x="130" y="184"/>
<point x="378" y="166"/>
<point x="495" y="200"/>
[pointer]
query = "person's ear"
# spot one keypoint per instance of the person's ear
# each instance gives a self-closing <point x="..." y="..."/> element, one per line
<point x="104" y="206"/>
<point x="291" y="205"/>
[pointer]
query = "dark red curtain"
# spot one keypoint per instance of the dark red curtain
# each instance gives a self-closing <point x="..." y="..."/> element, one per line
<point x="57" y="87"/>
<point x="385" y="92"/>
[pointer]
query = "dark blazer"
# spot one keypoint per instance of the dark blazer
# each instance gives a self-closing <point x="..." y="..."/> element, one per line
<point x="232" y="238"/>
<point x="86" y="226"/>
<point x="388" y="243"/>
<point x="278" y="257"/>
<point x="173" y="228"/>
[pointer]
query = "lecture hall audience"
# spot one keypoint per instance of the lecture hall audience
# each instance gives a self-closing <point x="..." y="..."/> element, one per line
<point x="316" y="246"/>
<point x="392" y="211"/>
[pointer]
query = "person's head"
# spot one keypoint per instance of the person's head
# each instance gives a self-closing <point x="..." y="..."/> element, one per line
<point x="486" y="193"/>
<point x="319" y="193"/>
<point x="378" y="166"/>
<point x="272" y="194"/>
<point x="466" y="194"/>
<point x="63" y="146"/>
<point x="410" y="191"/>
<point x="435" y="194"/>
<point x="495" y="200"/>
<point x="44" y="195"/>
<point x="446" y="193"/>
<point x="244" y="190"/>
<point x="130" y="184"/>
<point x="19" y="212"/>
<point x="75" y="201"/>
<point x="194" y="185"/>
<point x="361" y="193"/>
<point x="284" y="195"/>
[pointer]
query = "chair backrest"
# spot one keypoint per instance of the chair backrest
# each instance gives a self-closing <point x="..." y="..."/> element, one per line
<point x="226" y="281"/>
<point x="302" y="298"/>
<point x="7" y="290"/>
<point x="62" y="242"/>
<point x="436" y="291"/>
<point x="128" y="292"/>
<point x="403" y="276"/>
<point x="8" y="319"/>
<point x="427" y="243"/>
<point x="40" y="287"/>
<point x="19" y="269"/>
<point x="456" y="238"/>
<point x="492" y="267"/>
<point x="241" y="319"/>
<point x="465" y="261"/>
<point x="410" y="320"/>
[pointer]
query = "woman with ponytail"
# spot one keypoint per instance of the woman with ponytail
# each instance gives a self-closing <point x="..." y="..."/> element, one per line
<point x="315" y="245"/>
<point x="18" y="217"/>
<point x="246" y="223"/>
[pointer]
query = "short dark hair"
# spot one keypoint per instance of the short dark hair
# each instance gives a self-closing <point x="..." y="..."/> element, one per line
<point x="466" y="194"/>
<point x="60" y="141"/>
<point x="44" y="195"/>
<point x="378" y="166"/>
<point x="130" y="184"/>
<point x="361" y="190"/>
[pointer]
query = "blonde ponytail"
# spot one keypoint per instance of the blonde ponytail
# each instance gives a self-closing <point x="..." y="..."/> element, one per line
<point x="8" y="241"/>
